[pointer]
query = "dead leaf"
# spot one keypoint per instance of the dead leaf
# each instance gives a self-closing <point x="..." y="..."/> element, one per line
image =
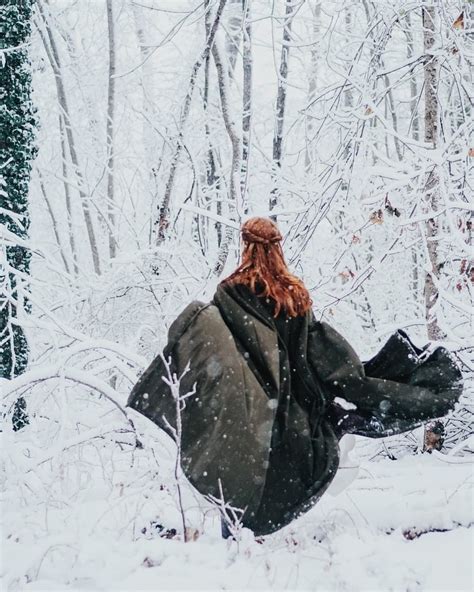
<point x="434" y="436"/>
<point x="346" y="275"/>
<point x="459" y="22"/>
<point x="355" y="239"/>
<point x="376" y="217"/>
<point x="471" y="152"/>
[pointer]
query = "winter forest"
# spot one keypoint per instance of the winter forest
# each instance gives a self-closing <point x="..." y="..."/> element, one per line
<point x="135" y="137"/>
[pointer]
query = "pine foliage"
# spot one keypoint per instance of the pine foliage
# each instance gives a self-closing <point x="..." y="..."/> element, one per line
<point x="17" y="150"/>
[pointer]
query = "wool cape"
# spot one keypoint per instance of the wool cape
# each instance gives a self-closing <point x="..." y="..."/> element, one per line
<point x="262" y="425"/>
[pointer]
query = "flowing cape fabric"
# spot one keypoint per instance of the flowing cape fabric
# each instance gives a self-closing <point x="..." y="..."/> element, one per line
<point x="261" y="423"/>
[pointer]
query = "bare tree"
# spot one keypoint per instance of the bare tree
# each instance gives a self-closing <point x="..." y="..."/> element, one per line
<point x="54" y="222"/>
<point x="212" y="178"/>
<point x="236" y="144"/>
<point x="315" y="57"/>
<point x="431" y="189"/>
<point x="290" y="9"/>
<point x="163" y="216"/>
<point x="233" y="33"/>
<point x="52" y="52"/>
<point x="414" y="96"/>
<point x="247" y="60"/>
<point x="414" y="126"/>
<point x="110" y="131"/>
<point x="67" y="194"/>
<point x="148" y="116"/>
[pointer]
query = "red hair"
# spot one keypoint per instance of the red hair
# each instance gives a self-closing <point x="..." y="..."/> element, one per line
<point x="263" y="268"/>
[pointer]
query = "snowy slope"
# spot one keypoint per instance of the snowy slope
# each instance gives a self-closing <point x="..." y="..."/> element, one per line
<point x="96" y="516"/>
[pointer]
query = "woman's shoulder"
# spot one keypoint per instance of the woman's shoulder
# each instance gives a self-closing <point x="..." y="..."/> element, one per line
<point x="195" y="311"/>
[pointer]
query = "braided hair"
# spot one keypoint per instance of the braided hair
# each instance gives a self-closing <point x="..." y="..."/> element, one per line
<point x="264" y="270"/>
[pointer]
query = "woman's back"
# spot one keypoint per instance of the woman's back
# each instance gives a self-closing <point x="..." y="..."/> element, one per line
<point x="264" y="374"/>
<point x="303" y="448"/>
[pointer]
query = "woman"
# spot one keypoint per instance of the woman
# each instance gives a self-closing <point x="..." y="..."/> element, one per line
<point x="264" y="423"/>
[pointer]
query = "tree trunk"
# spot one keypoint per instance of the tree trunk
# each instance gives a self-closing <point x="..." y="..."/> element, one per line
<point x="247" y="59"/>
<point x="53" y="220"/>
<point x="53" y="56"/>
<point x="146" y="82"/>
<point x="234" y="31"/>
<point x="392" y="110"/>
<point x="348" y="99"/>
<point x="281" y="102"/>
<point x="415" y="130"/>
<point x="163" y="215"/>
<point x="431" y="189"/>
<point x="110" y="131"/>
<point x="414" y="99"/>
<point x="310" y="152"/>
<point x="236" y="144"/>
<point x="212" y="178"/>
<point x="67" y="194"/>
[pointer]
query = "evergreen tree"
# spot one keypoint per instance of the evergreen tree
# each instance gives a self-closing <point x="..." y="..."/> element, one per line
<point x="17" y="150"/>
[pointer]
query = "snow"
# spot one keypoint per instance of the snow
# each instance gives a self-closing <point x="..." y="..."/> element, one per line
<point x="82" y="507"/>
<point x="87" y="519"/>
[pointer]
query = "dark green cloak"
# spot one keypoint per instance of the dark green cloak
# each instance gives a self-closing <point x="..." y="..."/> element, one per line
<point x="262" y="419"/>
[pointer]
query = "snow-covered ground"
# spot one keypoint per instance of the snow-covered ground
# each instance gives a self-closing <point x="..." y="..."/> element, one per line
<point x="82" y="512"/>
<point x="82" y="507"/>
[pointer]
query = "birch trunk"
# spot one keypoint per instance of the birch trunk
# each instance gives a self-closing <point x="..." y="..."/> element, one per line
<point x="415" y="131"/>
<point x="281" y="102"/>
<point x="110" y="132"/>
<point x="431" y="189"/>
<point x="310" y="153"/>
<point x="414" y="99"/>
<point x="236" y="144"/>
<point x="247" y="59"/>
<point x="212" y="180"/>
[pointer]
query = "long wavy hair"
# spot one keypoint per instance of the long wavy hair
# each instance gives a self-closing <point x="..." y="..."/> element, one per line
<point x="263" y="269"/>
